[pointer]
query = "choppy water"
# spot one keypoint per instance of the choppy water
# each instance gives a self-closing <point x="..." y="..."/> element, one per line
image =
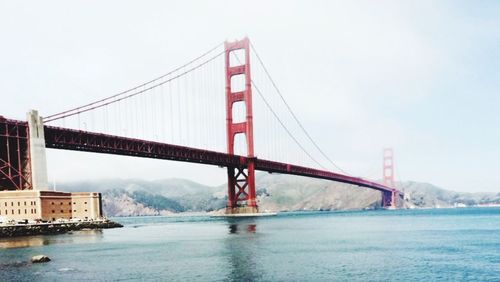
<point x="423" y="245"/>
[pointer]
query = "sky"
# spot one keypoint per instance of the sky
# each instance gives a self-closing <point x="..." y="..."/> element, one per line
<point x="422" y="77"/>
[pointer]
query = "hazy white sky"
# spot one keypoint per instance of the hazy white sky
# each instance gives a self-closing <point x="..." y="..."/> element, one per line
<point x="420" y="76"/>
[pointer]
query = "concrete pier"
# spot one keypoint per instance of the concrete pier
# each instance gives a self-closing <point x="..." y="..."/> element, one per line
<point x="39" y="178"/>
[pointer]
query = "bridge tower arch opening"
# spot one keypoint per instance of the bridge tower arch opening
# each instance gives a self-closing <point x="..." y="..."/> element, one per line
<point x="241" y="179"/>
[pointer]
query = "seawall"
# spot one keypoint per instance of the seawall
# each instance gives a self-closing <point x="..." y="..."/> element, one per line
<point x="53" y="228"/>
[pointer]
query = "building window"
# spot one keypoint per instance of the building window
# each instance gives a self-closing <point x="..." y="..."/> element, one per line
<point x="11" y="204"/>
<point x="19" y="211"/>
<point x="34" y="210"/>
<point x="12" y="211"/>
<point x="52" y="202"/>
<point x="18" y="204"/>
<point x="85" y="210"/>
<point x="6" y="212"/>
<point x="53" y="211"/>
<point x="85" y="203"/>
<point x="25" y="203"/>
<point x="25" y="211"/>
<point x="74" y="210"/>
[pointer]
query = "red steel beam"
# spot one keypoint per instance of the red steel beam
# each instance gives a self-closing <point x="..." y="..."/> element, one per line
<point x="77" y="140"/>
<point x="277" y="167"/>
<point x="14" y="155"/>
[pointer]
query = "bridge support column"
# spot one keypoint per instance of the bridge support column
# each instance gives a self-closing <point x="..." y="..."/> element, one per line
<point x="37" y="151"/>
<point x="390" y="199"/>
<point x="241" y="180"/>
<point x="241" y="199"/>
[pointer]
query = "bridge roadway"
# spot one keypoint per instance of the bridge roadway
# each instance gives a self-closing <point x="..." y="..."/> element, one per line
<point x="77" y="140"/>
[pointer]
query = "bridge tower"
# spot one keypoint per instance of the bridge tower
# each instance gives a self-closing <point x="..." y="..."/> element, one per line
<point x="389" y="199"/>
<point x="241" y="179"/>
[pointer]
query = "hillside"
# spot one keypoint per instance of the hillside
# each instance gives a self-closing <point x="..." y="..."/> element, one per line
<point x="138" y="197"/>
<point x="275" y="193"/>
<point x="426" y="195"/>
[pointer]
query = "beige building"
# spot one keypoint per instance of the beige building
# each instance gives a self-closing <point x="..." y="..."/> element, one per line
<point x="86" y="205"/>
<point x="35" y="205"/>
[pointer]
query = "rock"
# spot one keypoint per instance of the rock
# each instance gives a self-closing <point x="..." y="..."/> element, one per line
<point x="40" y="258"/>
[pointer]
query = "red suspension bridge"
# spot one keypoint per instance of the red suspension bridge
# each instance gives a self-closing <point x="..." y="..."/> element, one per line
<point x="179" y="116"/>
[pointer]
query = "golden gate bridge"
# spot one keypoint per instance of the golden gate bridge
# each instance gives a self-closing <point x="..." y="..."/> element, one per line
<point x="201" y="112"/>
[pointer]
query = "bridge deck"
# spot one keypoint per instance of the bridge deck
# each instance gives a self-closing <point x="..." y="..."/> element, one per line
<point x="70" y="139"/>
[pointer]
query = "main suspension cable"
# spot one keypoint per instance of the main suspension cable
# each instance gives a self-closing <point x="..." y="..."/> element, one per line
<point x="280" y="121"/>
<point x="284" y="127"/>
<point x="292" y="112"/>
<point x="84" y="109"/>
<point x="66" y="113"/>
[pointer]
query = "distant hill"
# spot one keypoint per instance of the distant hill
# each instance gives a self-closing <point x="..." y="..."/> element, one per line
<point x="274" y="192"/>
<point x="426" y="195"/>
<point x="292" y="193"/>
<point x="138" y="197"/>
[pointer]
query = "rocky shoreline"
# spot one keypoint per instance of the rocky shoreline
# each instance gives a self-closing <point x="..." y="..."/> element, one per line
<point x="53" y="228"/>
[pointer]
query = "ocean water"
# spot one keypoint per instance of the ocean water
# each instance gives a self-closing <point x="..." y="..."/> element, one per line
<point x="405" y="245"/>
